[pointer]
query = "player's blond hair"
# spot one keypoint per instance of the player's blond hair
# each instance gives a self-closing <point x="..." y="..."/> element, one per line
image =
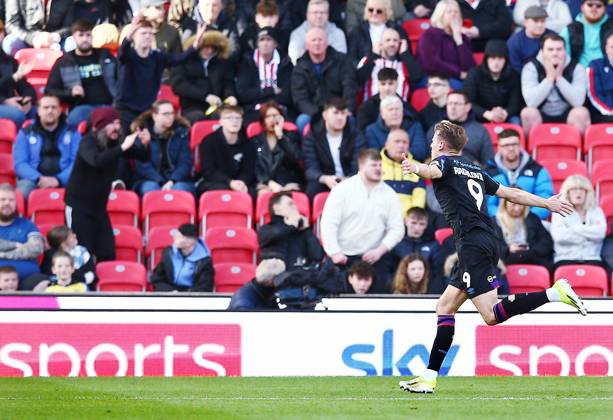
<point x="453" y="134"/>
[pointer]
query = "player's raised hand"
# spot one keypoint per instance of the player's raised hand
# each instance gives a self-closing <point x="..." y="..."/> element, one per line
<point x="557" y="204"/>
<point x="407" y="166"/>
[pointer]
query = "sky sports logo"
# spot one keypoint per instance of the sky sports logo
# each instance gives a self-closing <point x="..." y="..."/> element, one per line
<point x="544" y="350"/>
<point x="120" y="350"/>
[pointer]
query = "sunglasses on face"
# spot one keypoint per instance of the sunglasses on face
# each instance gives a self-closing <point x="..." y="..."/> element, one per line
<point x="375" y="11"/>
<point x="595" y="5"/>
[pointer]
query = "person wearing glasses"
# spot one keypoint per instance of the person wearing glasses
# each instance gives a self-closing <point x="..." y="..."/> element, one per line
<point x="436" y="109"/>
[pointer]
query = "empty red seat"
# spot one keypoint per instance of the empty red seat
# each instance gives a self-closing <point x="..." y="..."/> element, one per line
<point x="8" y="133"/>
<point x="478" y="57"/>
<point x="42" y="59"/>
<point x="46" y="206"/>
<point x="7" y="171"/>
<point x="123" y="207"/>
<point x="598" y="143"/>
<point x="229" y="277"/>
<point x="255" y="128"/>
<point x="21" y="203"/>
<point x="563" y="168"/>
<point x="225" y="208"/>
<point x="586" y="280"/>
<point x="159" y="238"/>
<point x="414" y="29"/>
<point x="441" y="234"/>
<point x="262" y="215"/>
<point x="602" y="178"/>
<point x="121" y="276"/>
<point x="232" y="245"/>
<point x="319" y="201"/>
<point x="555" y="141"/>
<point x="168" y="208"/>
<point x="420" y="98"/>
<point x="527" y="278"/>
<point x="494" y="129"/>
<point x="128" y="243"/>
<point x="166" y="93"/>
<point x="198" y="133"/>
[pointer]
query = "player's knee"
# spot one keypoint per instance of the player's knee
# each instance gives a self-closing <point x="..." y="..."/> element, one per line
<point x="445" y="308"/>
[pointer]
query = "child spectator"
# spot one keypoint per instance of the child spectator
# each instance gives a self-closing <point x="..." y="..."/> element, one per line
<point x="62" y="267"/>
<point x="412" y="276"/>
<point x="9" y="280"/>
<point x="62" y="238"/>
<point x="360" y="278"/>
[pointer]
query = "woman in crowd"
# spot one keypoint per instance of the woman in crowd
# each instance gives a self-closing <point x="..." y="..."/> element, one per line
<point x="412" y="276"/>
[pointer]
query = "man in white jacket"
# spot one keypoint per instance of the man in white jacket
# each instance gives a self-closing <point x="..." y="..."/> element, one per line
<point x="362" y="219"/>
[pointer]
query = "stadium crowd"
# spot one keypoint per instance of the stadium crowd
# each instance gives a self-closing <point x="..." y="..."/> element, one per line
<point x="138" y="136"/>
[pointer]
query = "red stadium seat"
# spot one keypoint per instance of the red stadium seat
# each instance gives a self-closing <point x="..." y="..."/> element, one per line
<point x="121" y="276"/>
<point x="420" y="98"/>
<point x="262" y="216"/>
<point x="232" y="245"/>
<point x="45" y="228"/>
<point x="586" y="280"/>
<point x="230" y="277"/>
<point x="42" y="59"/>
<point x="414" y="29"/>
<point x="527" y="278"/>
<point x="598" y="143"/>
<point x="46" y="206"/>
<point x="225" y="208"/>
<point x="255" y="128"/>
<point x="167" y="94"/>
<point x="168" y="208"/>
<point x="555" y="141"/>
<point x="8" y="133"/>
<point x="198" y="133"/>
<point x="7" y="170"/>
<point x="128" y="243"/>
<point x="602" y="178"/>
<point x="441" y="234"/>
<point x="478" y="57"/>
<point x="21" y="203"/>
<point x="562" y="169"/>
<point x="319" y="202"/>
<point x="159" y="238"/>
<point x="606" y="204"/>
<point x="496" y="128"/>
<point x="123" y="208"/>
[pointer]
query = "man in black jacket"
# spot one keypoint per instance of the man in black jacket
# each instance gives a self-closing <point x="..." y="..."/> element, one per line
<point x="331" y="149"/>
<point x="288" y="236"/>
<point x="266" y="15"/>
<point x="264" y="74"/>
<point x="85" y="78"/>
<point x="321" y="73"/>
<point x="493" y="87"/>
<point x="490" y="20"/>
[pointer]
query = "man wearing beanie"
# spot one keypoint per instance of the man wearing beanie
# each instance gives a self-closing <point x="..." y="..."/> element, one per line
<point x="90" y="182"/>
<point x="493" y="86"/>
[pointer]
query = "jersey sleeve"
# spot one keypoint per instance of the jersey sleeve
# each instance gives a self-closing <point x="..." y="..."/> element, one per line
<point x="491" y="186"/>
<point x="443" y="164"/>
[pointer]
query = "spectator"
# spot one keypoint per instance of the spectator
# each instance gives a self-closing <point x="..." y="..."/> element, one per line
<point x="493" y="87"/>
<point x="578" y="237"/>
<point x="558" y="14"/>
<point x="553" y="88"/>
<point x="443" y="49"/>
<point x="9" y="280"/>
<point x="513" y="166"/>
<point x="166" y="37"/>
<point x="600" y="85"/>
<point x="389" y="52"/>
<point x="360" y="278"/>
<point x="490" y="19"/>
<point x="317" y="15"/>
<point x="259" y="293"/>
<point x="61" y="238"/>
<point x="45" y="151"/>
<point x="85" y="78"/>
<point x="294" y="13"/>
<point x="278" y="161"/>
<point x="585" y="37"/>
<point x="90" y="182"/>
<point x="32" y="23"/>
<point x="524" y="239"/>
<point x="436" y="109"/>
<point x="288" y="236"/>
<point x="141" y="68"/>
<point x="479" y="147"/>
<point x="205" y="80"/>
<point x="264" y="76"/>
<point x="392" y="117"/>
<point x="20" y="241"/>
<point x="411" y="189"/>
<point x="524" y="45"/>
<point x="171" y="163"/>
<point x="94" y="12"/>
<point x="362" y="219"/>
<point x="412" y="276"/>
<point x="320" y="73"/>
<point x="331" y="149"/>
<point x="186" y="265"/>
<point x="16" y="94"/>
<point x="358" y="11"/>
<point x="62" y="267"/>
<point x="266" y="15"/>
<point x="420" y="9"/>
<point x="228" y="158"/>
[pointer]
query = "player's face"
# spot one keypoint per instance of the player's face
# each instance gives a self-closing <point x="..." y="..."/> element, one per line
<point x="9" y="282"/>
<point x="577" y="196"/>
<point x="416" y="226"/>
<point x="371" y="170"/>
<point x="415" y="271"/>
<point x="509" y="149"/>
<point x="62" y="267"/>
<point x="360" y="285"/>
<point x="515" y="210"/>
<point x="437" y="146"/>
<point x="535" y="28"/>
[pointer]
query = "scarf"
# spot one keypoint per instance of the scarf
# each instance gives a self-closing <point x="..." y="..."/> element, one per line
<point x="267" y="71"/>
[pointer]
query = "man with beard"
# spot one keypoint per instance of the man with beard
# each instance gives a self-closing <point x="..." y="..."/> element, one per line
<point x="85" y="78"/>
<point x="21" y="243"/>
<point x="90" y="183"/>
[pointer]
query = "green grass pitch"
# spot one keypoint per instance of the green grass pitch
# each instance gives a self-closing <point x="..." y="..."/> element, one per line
<point x="304" y="398"/>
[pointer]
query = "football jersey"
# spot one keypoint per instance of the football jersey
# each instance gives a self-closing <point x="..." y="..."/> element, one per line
<point x="461" y="192"/>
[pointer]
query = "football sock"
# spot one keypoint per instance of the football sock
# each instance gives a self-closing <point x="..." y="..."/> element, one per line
<point x="518" y="304"/>
<point x="442" y="342"/>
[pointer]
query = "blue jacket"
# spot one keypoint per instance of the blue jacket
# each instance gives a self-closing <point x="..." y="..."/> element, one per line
<point x="184" y="273"/>
<point x="28" y="146"/>
<point x="376" y="134"/>
<point x="529" y="176"/>
<point x="179" y="157"/>
<point x="253" y="296"/>
<point x="600" y="85"/>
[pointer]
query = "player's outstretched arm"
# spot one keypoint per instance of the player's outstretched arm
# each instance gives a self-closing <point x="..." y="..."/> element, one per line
<point x="431" y="171"/>
<point x="555" y="203"/>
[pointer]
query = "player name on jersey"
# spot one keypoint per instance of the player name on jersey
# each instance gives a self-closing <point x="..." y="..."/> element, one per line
<point x="467" y="173"/>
